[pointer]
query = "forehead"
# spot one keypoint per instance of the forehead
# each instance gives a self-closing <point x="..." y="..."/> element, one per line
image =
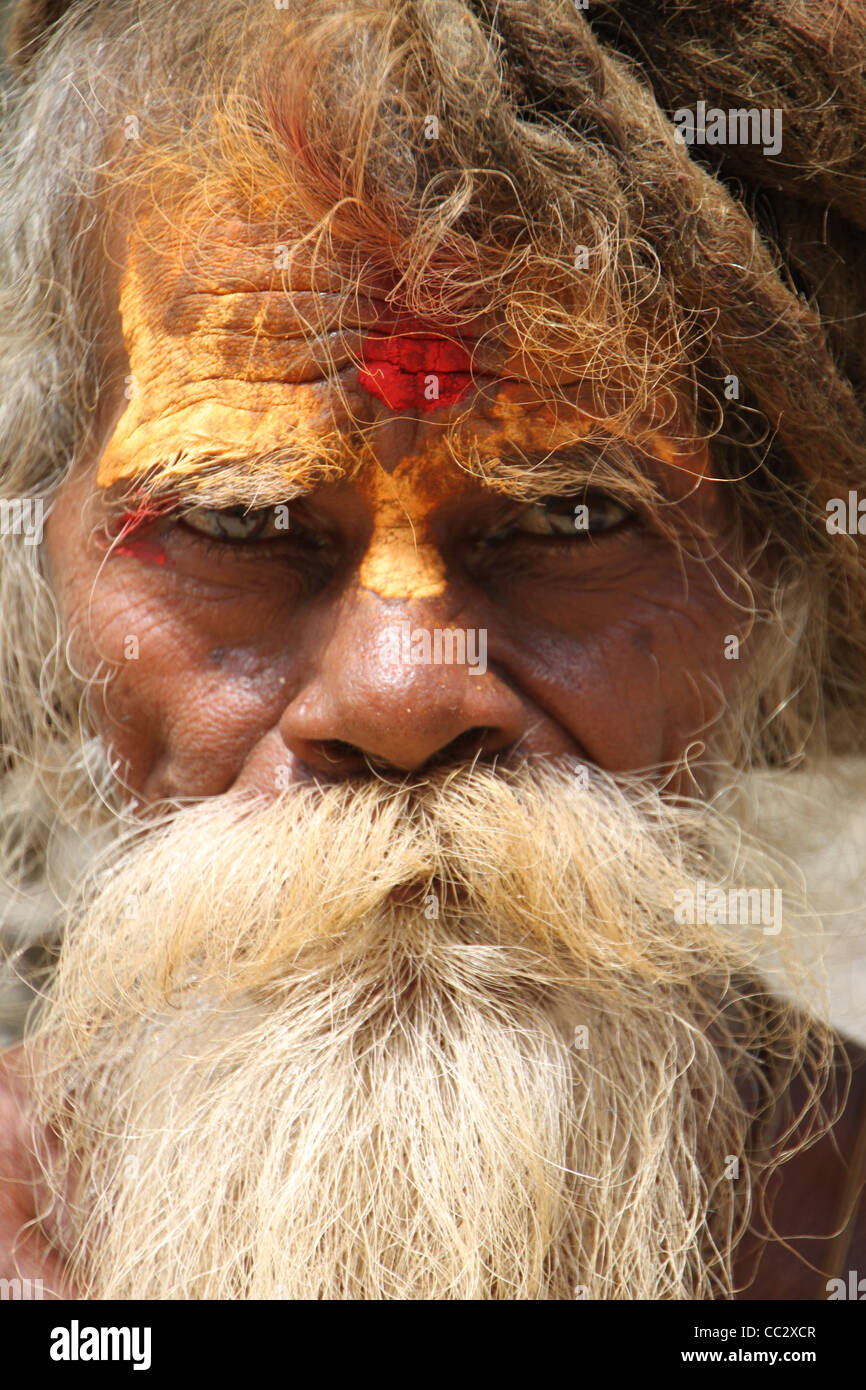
<point x="242" y="346"/>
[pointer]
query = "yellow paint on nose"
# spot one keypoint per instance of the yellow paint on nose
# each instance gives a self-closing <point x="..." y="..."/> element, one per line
<point x="400" y="560"/>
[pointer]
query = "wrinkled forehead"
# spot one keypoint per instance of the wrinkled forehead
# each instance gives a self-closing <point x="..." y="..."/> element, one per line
<point x="245" y="345"/>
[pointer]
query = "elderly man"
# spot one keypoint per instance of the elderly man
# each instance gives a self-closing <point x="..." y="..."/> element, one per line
<point x="436" y="411"/>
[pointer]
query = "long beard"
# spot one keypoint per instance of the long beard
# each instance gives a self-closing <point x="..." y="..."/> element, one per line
<point x="394" y="1042"/>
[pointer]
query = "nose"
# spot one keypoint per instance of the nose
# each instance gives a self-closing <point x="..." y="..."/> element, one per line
<point x="380" y="698"/>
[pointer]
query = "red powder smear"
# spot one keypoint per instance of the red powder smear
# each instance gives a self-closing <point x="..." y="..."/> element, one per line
<point x="398" y="370"/>
<point x="141" y="547"/>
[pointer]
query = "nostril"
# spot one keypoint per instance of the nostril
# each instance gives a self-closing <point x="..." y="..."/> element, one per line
<point x="467" y="745"/>
<point x="349" y="757"/>
<point x="334" y="750"/>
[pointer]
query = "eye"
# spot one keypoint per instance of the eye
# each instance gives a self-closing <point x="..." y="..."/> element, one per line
<point x="589" y="515"/>
<point x="238" y="524"/>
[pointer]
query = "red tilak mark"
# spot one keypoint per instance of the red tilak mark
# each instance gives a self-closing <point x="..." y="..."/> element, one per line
<point x="415" y="371"/>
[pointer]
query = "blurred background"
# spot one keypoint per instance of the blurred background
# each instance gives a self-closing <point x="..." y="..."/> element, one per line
<point x="6" y="8"/>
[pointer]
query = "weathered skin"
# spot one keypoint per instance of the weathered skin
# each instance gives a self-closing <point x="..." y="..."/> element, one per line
<point x="273" y="657"/>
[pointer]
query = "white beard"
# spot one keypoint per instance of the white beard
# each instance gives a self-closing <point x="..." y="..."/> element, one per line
<point x="374" y="1043"/>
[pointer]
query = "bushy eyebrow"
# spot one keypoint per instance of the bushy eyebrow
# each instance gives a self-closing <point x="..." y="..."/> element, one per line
<point x="607" y="464"/>
<point x="271" y="478"/>
<point x="255" y="480"/>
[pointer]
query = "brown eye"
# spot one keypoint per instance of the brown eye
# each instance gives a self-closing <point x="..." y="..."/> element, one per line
<point x="238" y="524"/>
<point x="590" y="515"/>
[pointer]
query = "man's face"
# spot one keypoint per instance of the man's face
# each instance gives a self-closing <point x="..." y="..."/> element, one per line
<point x="459" y="1038"/>
<point x="256" y="649"/>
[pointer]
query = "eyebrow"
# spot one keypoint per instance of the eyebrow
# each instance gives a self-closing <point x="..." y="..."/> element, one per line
<point x="256" y="480"/>
<point x="604" y="461"/>
<point x="207" y="480"/>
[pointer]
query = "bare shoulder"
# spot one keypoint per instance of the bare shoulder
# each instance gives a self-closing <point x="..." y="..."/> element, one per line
<point x="816" y="1204"/>
<point x="852" y="1240"/>
<point x="25" y="1254"/>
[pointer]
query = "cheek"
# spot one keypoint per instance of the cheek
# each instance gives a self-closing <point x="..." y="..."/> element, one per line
<point x="178" y="708"/>
<point x="633" y="667"/>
